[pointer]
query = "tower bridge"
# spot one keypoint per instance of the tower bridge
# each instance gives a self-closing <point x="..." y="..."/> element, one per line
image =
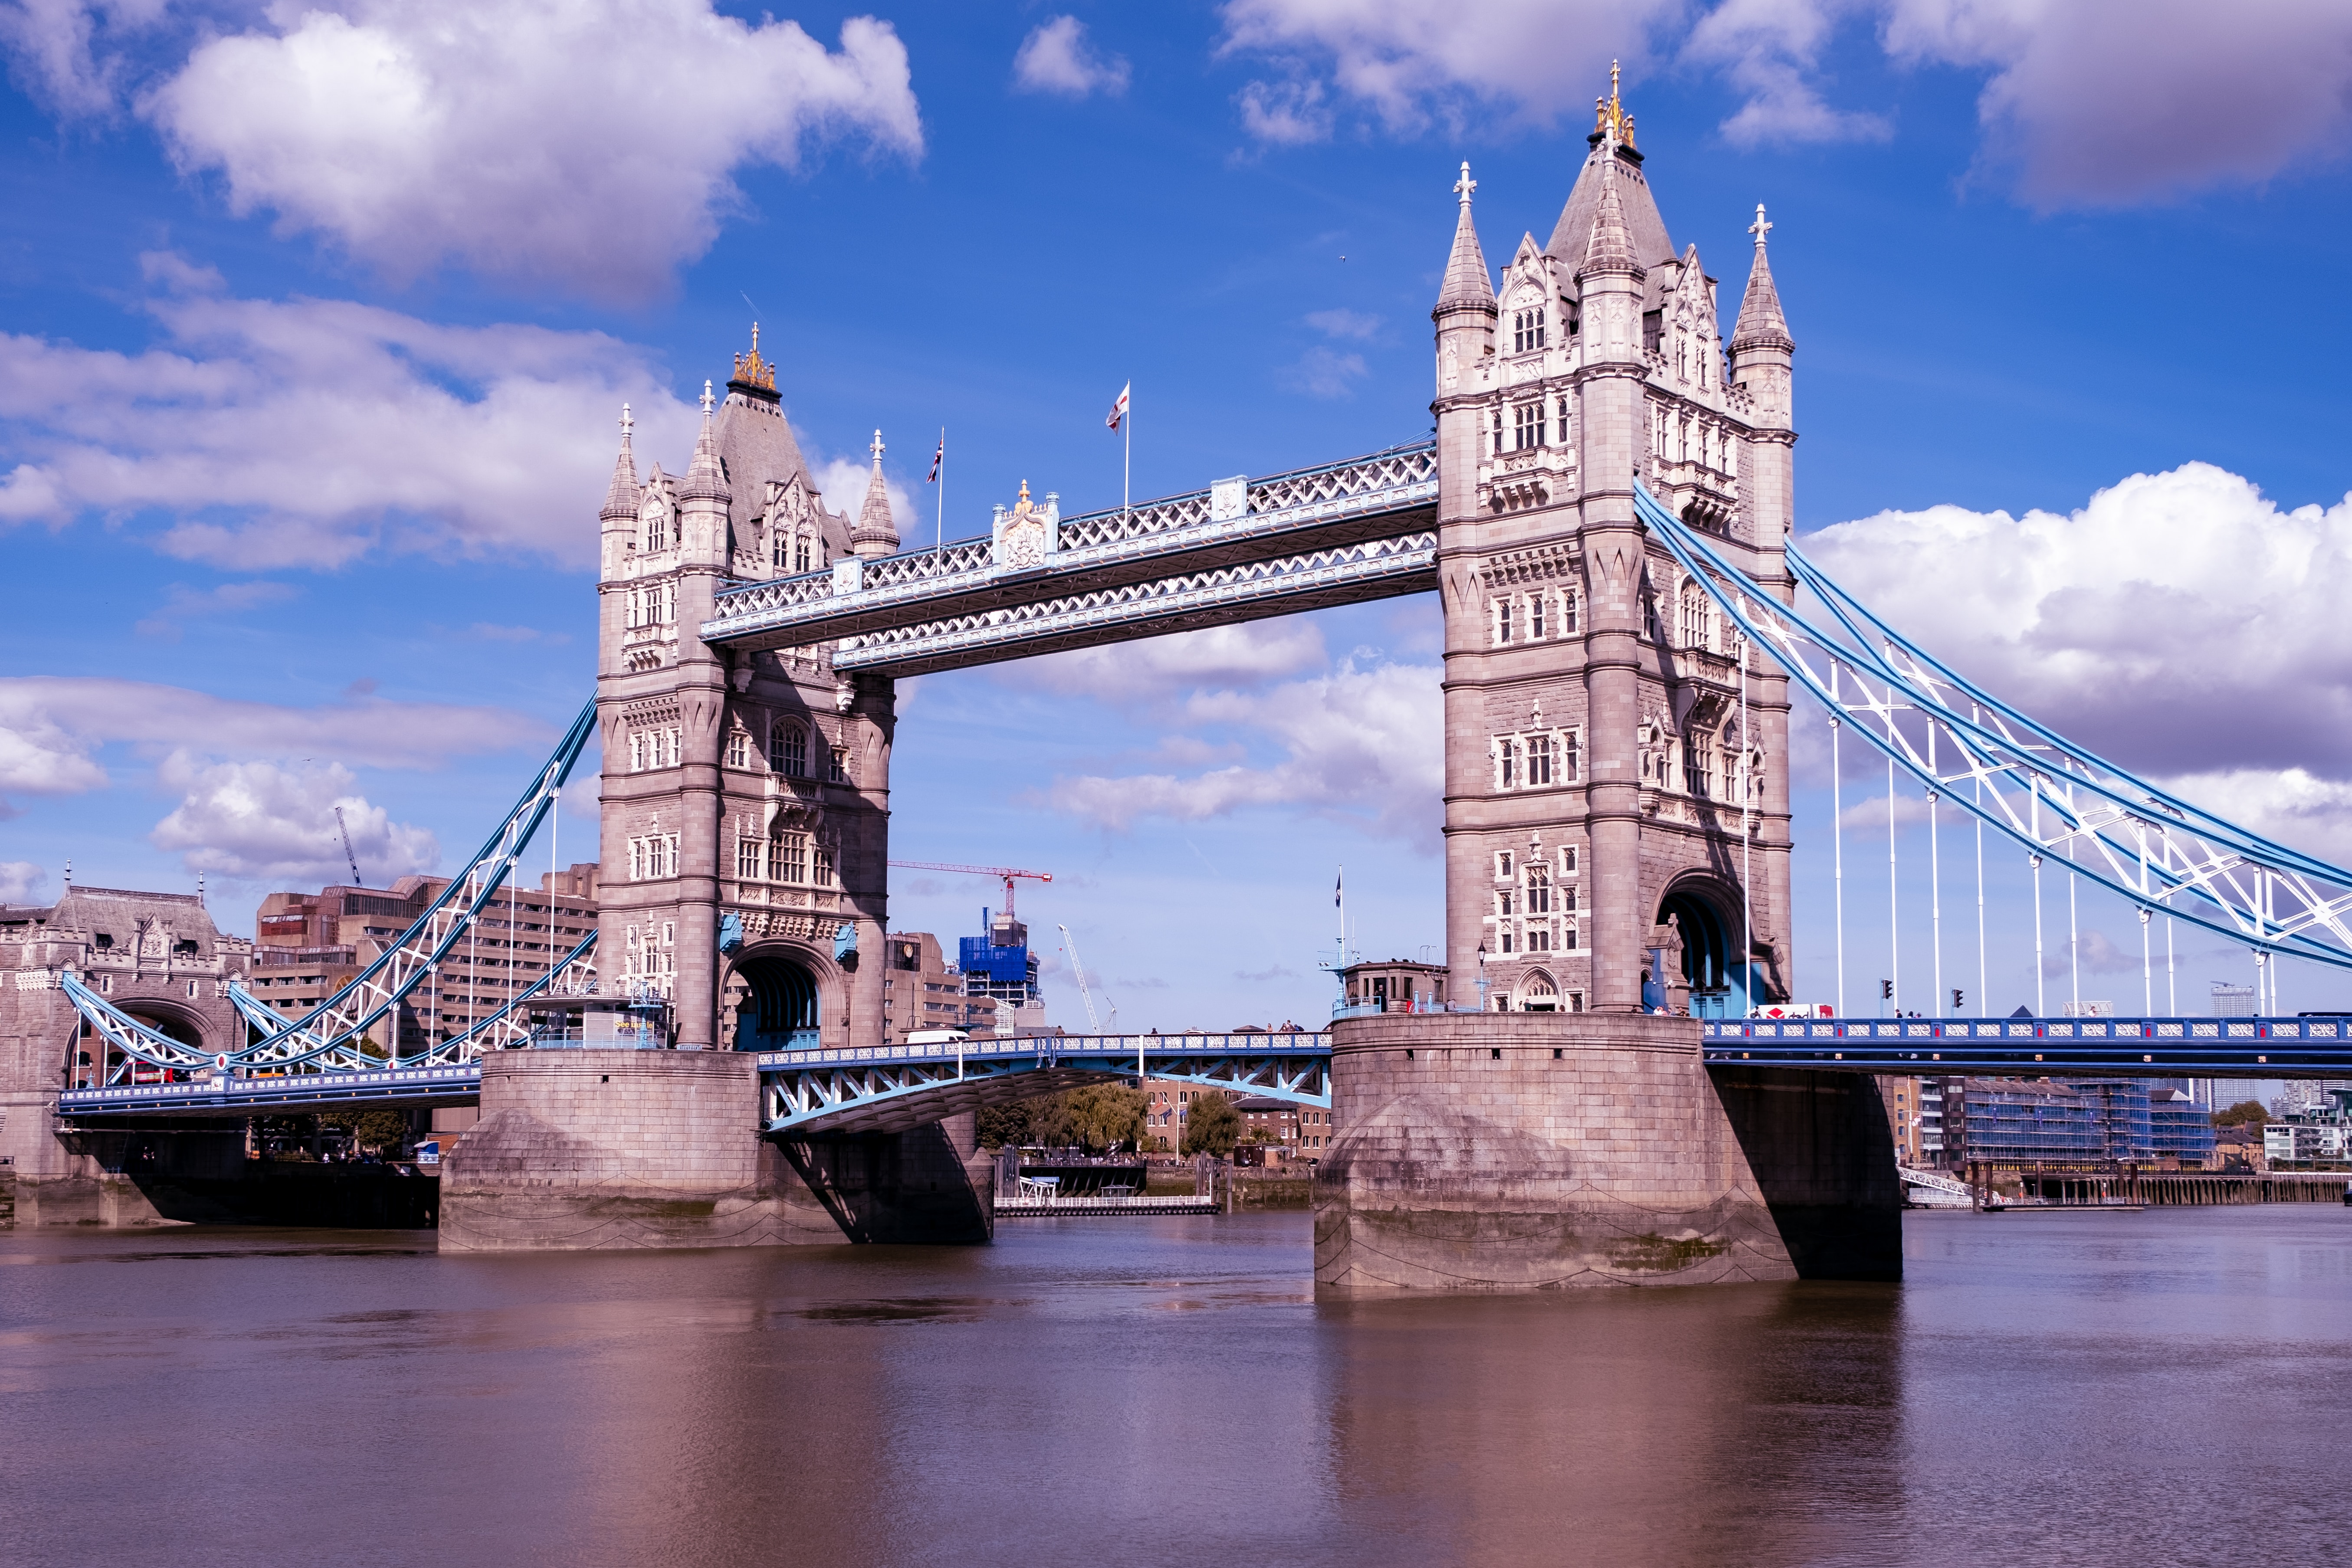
<point x="1604" y="509"/>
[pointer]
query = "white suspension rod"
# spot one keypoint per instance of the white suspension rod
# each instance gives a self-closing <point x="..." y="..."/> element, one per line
<point x="1893" y="904"/>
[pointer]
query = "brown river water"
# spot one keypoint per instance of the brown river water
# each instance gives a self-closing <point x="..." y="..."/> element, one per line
<point x="2172" y="1386"/>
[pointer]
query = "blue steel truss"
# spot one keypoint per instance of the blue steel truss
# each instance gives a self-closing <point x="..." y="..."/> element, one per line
<point x="895" y="1088"/>
<point x="331" y="1035"/>
<point x="277" y="1094"/>
<point x="2040" y="1047"/>
<point x="2057" y="800"/>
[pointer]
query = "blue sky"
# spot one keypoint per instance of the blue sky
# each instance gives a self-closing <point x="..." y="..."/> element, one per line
<point x="318" y="320"/>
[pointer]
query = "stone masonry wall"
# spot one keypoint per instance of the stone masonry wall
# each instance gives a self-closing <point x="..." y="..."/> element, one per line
<point x="1504" y="1151"/>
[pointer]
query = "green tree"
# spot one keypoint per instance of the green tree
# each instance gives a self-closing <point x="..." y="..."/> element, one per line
<point x="1003" y="1124"/>
<point x="1211" y="1126"/>
<point x="1097" y="1118"/>
<point x="2245" y="1114"/>
<point x="379" y="1129"/>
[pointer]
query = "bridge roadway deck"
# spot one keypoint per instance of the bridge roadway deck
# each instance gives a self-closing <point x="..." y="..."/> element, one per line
<point x="892" y="1087"/>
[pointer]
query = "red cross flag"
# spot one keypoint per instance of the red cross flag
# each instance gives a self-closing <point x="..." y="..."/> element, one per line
<point x="936" y="459"/>
<point x="1119" y="409"/>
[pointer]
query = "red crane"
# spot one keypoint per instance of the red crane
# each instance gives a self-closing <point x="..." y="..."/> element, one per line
<point x="1007" y="872"/>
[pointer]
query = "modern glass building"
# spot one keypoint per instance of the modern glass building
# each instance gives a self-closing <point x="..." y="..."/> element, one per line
<point x="2077" y="1120"/>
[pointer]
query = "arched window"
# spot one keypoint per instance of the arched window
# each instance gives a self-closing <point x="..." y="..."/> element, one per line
<point x="1698" y="763"/>
<point x="1526" y="330"/>
<point x="1695" y="616"/>
<point x="1568" y="612"/>
<point x="1536" y="614"/>
<point x="1538" y="890"/>
<point x="1506" y="756"/>
<point x="1538" y="761"/>
<point x="1538" y="993"/>
<point x="788" y="750"/>
<point x="656" y="534"/>
<point x="803" y="555"/>
<point x="1503" y="608"/>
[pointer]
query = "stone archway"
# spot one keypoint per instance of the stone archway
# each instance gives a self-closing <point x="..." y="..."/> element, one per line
<point x="1705" y="914"/>
<point x="1538" y="991"/>
<point x="783" y="1000"/>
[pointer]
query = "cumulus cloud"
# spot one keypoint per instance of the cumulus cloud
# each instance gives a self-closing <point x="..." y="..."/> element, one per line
<point x="261" y="821"/>
<point x="1364" y="744"/>
<point x="20" y="880"/>
<point x="69" y="54"/>
<point x="1871" y="813"/>
<point x="1410" y="62"/>
<point x="1771" y="51"/>
<point x="2116" y="100"/>
<point x="1246" y="657"/>
<point x="584" y="144"/>
<point x="51" y="727"/>
<point x="842" y="481"/>
<point x="304" y="432"/>
<point x="182" y="604"/>
<point x="2181" y="624"/>
<point x="1325" y="373"/>
<point x="2097" y="953"/>
<point x="1055" y="57"/>
<point x="2092" y="101"/>
<point x="1343" y="323"/>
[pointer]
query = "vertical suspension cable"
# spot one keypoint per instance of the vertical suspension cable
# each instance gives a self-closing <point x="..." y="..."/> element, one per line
<point x="2073" y="936"/>
<point x="1894" y="903"/>
<point x="2041" y="1003"/>
<point x="2146" y="970"/>
<point x="1977" y="786"/>
<point x="2171" y="977"/>
<point x="1935" y="885"/>
<point x="1747" y="752"/>
<point x="1837" y="839"/>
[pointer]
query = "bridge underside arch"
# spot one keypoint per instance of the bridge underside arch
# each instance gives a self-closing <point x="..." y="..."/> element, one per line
<point x="1704" y="912"/>
<point x="779" y="994"/>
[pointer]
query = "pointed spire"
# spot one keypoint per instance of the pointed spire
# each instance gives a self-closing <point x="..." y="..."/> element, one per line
<point x="1610" y="246"/>
<point x="1466" y="280"/>
<point x="1761" y="324"/>
<point x="620" y="496"/>
<point x="705" y="476"/>
<point x="876" y="533"/>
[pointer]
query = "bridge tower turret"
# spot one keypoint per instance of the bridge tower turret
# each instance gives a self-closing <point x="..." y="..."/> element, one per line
<point x="1616" y="817"/>
<point x="746" y="795"/>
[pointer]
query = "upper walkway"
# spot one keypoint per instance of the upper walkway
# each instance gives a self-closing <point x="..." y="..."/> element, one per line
<point x="1241" y="549"/>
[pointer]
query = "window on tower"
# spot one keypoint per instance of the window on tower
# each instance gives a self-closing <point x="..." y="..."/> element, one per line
<point x="1538" y="766"/>
<point x="788" y="750"/>
<point x="1526" y="330"/>
<point x="1503" y="620"/>
<point x="1507" y="757"/>
<point x="1527" y="425"/>
<point x="1695" y="616"/>
<point x="1539" y="892"/>
<point x="1536" y="615"/>
<point x="803" y="555"/>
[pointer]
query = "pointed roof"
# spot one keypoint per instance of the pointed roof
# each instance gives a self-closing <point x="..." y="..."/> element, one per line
<point x="1639" y="208"/>
<point x="1761" y="324"/>
<point x="1466" y="285"/>
<point x="705" y="476"/>
<point x="875" y="522"/>
<point x="621" y="495"/>
<point x="1608" y="246"/>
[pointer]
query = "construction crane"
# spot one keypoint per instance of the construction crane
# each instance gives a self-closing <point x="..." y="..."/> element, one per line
<point x="1093" y="1025"/>
<point x="1007" y="872"/>
<point x="345" y="830"/>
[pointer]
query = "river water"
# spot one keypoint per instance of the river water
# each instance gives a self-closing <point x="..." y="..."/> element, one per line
<point x="2170" y="1386"/>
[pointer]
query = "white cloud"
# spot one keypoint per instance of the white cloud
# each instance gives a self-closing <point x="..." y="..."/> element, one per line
<point x="842" y="481"/>
<point x="1410" y="61"/>
<point x="69" y="53"/>
<point x="1325" y="373"/>
<point x="307" y="431"/>
<point x="2091" y="100"/>
<point x="2117" y="100"/>
<point x="19" y="879"/>
<point x="1770" y="49"/>
<point x="584" y="144"/>
<point x="262" y="822"/>
<point x="1366" y="745"/>
<point x="1343" y="323"/>
<point x="1870" y="815"/>
<point x="52" y="726"/>
<point x="2180" y="623"/>
<point x="182" y="604"/>
<point x="1055" y="57"/>
<point x="1245" y="657"/>
<point x="2097" y="953"/>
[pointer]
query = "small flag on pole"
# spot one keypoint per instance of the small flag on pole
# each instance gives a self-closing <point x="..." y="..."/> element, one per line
<point x="936" y="459"/>
<point x="1339" y="893"/>
<point x="1119" y="409"/>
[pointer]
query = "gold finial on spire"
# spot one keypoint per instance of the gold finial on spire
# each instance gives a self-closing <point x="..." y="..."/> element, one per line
<point x="1022" y="505"/>
<point x="1609" y="116"/>
<point x="753" y="370"/>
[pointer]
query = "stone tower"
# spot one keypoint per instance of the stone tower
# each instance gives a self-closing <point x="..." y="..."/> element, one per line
<point x="1616" y="792"/>
<point x="745" y="797"/>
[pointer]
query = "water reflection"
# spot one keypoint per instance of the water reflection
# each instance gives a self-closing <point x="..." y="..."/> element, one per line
<point x="1168" y="1391"/>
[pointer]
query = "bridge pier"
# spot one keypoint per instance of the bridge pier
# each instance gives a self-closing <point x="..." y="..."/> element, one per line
<point x="581" y="1150"/>
<point x="1544" y="1150"/>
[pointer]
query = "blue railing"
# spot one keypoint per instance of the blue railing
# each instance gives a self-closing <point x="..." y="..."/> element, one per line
<point x="2037" y="1047"/>
<point x="261" y="1096"/>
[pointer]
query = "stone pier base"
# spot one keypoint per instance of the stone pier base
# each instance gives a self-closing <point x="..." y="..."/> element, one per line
<point x="596" y="1148"/>
<point x="1541" y="1151"/>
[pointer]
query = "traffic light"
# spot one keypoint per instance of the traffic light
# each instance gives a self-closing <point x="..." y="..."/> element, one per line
<point x="1957" y="995"/>
<point x="1886" y="991"/>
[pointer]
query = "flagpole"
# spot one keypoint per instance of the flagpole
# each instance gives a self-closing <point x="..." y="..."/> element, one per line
<point x="1127" y="464"/>
<point x="940" y="542"/>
